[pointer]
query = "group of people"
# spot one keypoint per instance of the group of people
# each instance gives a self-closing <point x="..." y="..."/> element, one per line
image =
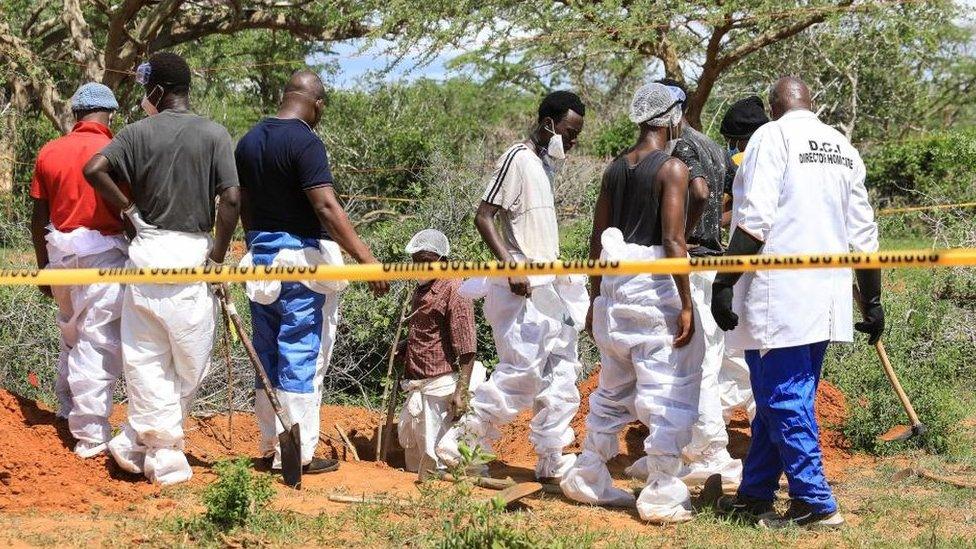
<point x="677" y="353"/>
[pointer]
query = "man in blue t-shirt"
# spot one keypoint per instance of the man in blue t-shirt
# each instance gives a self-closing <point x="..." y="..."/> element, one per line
<point x="292" y="218"/>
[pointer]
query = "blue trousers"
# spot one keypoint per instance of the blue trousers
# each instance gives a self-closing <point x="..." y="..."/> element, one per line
<point x="288" y="337"/>
<point x="288" y="334"/>
<point x="785" y="436"/>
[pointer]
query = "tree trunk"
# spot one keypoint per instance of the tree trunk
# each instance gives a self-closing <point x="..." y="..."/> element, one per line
<point x="8" y="143"/>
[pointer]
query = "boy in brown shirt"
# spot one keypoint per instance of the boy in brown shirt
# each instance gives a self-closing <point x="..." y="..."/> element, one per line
<point x="437" y="357"/>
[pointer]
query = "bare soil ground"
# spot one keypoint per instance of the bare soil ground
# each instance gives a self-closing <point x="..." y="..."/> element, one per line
<point x="47" y="495"/>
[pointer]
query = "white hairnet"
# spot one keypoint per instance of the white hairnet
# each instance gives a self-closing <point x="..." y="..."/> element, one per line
<point x="429" y="240"/>
<point x="655" y="105"/>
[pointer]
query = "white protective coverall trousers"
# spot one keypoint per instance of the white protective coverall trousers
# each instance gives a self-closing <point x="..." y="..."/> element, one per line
<point x="538" y="364"/>
<point x="294" y="334"/>
<point x="734" y="385"/>
<point x="426" y="416"/>
<point x="167" y="337"/>
<point x="90" y="361"/>
<point x="707" y="453"/>
<point x="643" y="377"/>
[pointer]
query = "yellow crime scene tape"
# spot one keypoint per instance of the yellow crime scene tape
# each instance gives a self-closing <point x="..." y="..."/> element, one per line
<point x="898" y="259"/>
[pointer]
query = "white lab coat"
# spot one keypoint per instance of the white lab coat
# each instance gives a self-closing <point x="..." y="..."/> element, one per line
<point x="800" y="190"/>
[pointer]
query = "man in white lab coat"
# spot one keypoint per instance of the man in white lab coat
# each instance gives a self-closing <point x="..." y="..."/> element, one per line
<point x="800" y="189"/>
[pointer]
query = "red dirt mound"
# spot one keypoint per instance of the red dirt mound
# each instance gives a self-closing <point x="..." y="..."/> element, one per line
<point x="514" y="446"/>
<point x="210" y="438"/>
<point x="39" y="470"/>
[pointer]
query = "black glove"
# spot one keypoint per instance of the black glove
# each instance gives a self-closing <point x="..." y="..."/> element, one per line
<point x="740" y="244"/>
<point x="869" y="287"/>
<point x="722" y="306"/>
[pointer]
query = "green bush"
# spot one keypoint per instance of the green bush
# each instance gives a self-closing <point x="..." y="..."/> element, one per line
<point x="482" y="528"/>
<point x="931" y="169"/>
<point x="238" y="496"/>
<point x="613" y="137"/>
<point x="928" y="340"/>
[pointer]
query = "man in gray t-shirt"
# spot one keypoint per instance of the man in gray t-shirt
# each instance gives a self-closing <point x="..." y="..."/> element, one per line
<point x="177" y="164"/>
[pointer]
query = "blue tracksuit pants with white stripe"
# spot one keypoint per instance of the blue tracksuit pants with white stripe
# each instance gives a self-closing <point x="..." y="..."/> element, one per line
<point x="293" y="337"/>
<point x="785" y="435"/>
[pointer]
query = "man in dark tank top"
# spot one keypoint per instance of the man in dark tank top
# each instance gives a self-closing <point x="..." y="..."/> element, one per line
<point x="650" y="345"/>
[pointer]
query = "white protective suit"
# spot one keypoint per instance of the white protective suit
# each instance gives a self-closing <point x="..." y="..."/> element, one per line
<point x="167" y="337"/>
<point x="538" y="364"/>
<point x="302" y="407"/>
<point x="707" y="453"/>
<point x="734" y="385"/>
<point x="642" y="376"/>
<point x="425" y="416"/>
<point x="90" y="361"/>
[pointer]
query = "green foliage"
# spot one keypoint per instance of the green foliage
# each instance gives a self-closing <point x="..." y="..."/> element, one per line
<point x="381" y="139"/>
<point x="238" y="496"/>
<point x="933" y="168"/>
<point x="928" y="340"/>
<point x="613" y="137"/>
<point x="481" y="527"/>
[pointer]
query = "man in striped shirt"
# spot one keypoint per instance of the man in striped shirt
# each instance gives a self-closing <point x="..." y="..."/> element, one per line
<point x="535" y="320"/>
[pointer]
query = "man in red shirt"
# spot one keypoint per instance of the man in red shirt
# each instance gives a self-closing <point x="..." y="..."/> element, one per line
<point x="72" y="227"/>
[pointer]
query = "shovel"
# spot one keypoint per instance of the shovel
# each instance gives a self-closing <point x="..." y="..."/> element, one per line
<point x="898" y="432"/>
<point x="290" y="440"/>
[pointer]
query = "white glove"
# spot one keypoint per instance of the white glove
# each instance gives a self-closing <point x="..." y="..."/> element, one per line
<point x="136" y="219"/>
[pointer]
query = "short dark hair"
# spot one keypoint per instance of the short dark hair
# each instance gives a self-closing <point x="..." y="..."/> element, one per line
<point x="671" y="82"/>
<point x="170" y="71"/>
<point x="558" y="103"/>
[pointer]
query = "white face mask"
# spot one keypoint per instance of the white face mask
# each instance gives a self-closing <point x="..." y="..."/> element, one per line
<point x="673" y="136"/>
<point x="555" y="148"/>
<point x="148" y="105"/>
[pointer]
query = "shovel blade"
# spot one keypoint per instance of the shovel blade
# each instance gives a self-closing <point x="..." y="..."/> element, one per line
<point x="897" y="433"/>
<point x="509" y="496"/>
<point x="290" y="443"/>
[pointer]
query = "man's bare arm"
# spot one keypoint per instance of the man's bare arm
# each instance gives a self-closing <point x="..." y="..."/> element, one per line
<point x="245" y="210"/>
<point x="40" y="217"/>
<point x="484" y="220"/>
<point x="698" y="194"/>
<point x="228" y="211"/>
<point x="674" y="192"/>
<point x="333" y="217"/>
<point x="98" y="173"/>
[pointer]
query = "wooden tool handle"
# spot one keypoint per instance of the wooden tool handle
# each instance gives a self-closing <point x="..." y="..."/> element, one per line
<point x="890" y="372"/>
<point x="235" y="319"/>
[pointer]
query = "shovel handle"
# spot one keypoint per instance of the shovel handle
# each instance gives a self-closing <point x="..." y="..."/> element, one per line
<point x="889" y="371"/>
<point x="896" y="385"/>
<point x="235" y="319"/>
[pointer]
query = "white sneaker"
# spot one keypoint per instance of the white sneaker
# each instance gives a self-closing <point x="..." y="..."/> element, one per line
<point x="85" y="449"/>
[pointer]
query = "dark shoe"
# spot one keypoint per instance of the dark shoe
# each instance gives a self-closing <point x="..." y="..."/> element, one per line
<point x="801" y="514"/>
<point x="745" y="508"/>
<point x="711" y="492"/>
<point x="263" y="463"/>
<point x="320" y="465"/>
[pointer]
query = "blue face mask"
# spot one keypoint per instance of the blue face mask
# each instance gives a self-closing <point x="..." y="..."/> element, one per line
<point x="734" y="150"/>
